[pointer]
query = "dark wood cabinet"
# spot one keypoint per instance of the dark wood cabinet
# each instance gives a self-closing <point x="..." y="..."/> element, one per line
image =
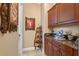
<point x="66" y="13"/>
<point x="55" y="48"/>
<point x="52" y="17"/>
<point x="56" y="51"/>
<point x="75" y="52"/>
<point x="66" y="50"/>
<point x="46" y="46"/>
<point x="77" y="12"/>
<point x="51" y="50"/>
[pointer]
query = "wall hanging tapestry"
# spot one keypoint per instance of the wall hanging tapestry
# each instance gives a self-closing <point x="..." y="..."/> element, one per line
<point x="9" y="17"/>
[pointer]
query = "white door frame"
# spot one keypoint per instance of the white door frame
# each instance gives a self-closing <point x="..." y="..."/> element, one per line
<point x="20" y="28"/>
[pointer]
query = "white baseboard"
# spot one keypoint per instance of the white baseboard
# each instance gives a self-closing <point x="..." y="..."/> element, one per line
<point x="28" y="49"/>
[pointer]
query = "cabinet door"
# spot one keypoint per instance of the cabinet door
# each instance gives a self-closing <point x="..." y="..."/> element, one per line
<point x="56" y="51"/>
<point x="75" y="52"/>
<point x="54" y="16"/>
<point x="46" y="47"/>
<point x="49" y="19"/>
<point x="66" y="50"/>
<point x="66" y="12"/>
<point x="77" y="12"/>
<point x="51" y="50"/>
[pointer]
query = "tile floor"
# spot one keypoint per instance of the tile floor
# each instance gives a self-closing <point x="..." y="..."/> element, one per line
<point x="33" y="53"/>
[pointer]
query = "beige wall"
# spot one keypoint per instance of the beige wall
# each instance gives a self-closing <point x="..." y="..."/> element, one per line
<point x="74" y="29"/>
<point x="46" y="7"/>
<point x="9" y="43"/>
<point x="31" y="11"/>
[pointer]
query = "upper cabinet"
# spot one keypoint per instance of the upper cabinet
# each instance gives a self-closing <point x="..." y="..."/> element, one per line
<point x="77" y="12"/>
<point x="66" y="13"/>
<point x="52" y="17"/>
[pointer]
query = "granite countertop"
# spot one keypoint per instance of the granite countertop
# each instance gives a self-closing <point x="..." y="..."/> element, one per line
<point x="69" y="43"/>
<point x="65" y="42"/>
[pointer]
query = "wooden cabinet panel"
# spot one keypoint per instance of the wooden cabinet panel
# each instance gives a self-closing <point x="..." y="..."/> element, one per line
<point x="56" y="51"/>
<point x="66" y="50"/>
<point x="66" y="12"/>
<point x="55" y="48"/>
<point x="49" y="19"/>
<point x="77" y="12"/>
<point x="52" y="17"/>
<point x="75" y="52"/>
<point x="51" y="50"/>
<point x="46" y="47"/>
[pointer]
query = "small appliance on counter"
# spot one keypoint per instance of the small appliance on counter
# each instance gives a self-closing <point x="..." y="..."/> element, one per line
<point x="58" y="35"/>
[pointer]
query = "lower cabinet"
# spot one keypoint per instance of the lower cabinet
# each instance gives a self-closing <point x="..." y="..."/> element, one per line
<point x="54" y="48"/>
<point x="76" y="52"/>
<point x="46" y="46"/>
<point x="66" y="50"/>
<point x="56" y="51"/>
<point x="51" y="50"/>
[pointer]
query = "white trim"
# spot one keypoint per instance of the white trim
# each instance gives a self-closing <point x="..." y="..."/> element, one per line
<point x="28" y="49"/>
<point x="20" y="31"/>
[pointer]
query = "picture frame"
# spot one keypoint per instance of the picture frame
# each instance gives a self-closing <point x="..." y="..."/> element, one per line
<point x="29" y="23"/>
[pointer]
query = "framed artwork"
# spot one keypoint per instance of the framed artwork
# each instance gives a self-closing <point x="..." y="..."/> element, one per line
<point x="29" y="23"/>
